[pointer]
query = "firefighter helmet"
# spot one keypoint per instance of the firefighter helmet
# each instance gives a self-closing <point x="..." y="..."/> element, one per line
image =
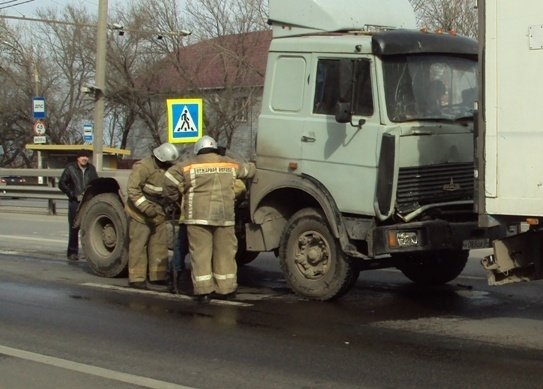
<point x="166" y="152"/>
<point x="205" y="142"/>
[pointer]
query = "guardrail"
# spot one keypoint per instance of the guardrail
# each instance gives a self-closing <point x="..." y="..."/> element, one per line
<point x="48" y="191"/>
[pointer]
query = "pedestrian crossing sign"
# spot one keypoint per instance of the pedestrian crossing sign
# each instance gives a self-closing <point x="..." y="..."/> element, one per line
<point x="185" y="120"/>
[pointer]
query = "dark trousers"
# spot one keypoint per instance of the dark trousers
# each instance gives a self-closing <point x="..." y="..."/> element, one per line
<point x="73" y="233"/>
<point x="180" y="249"/>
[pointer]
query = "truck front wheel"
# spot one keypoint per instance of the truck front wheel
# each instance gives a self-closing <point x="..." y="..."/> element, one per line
<point x="104" y="235"/>
<point x="312" y="261"/>
<point x="433" y="268"/>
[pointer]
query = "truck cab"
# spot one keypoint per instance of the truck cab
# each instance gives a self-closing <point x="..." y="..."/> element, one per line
<point x="365" y="147"/>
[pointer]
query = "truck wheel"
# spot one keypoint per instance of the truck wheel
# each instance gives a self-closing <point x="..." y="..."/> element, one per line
<point x="312" y="262"/>
<point x="434" y="268"/>
<point x="104" y="235"/>
<point x="243" y="257"/>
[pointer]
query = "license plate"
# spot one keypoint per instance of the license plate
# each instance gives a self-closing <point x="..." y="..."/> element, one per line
<point x="471" y="244"/>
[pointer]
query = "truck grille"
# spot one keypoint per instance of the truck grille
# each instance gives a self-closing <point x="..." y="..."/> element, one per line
<point x="418" y="186"/>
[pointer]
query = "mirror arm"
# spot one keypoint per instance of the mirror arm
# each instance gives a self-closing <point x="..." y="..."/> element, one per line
<point x="360" y="123"/>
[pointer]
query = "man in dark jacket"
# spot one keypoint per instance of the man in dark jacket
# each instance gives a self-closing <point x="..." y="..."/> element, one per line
<point x="74" y="180"/>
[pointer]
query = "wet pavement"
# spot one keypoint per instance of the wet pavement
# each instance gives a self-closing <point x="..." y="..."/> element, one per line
<point x="385" y="333"/>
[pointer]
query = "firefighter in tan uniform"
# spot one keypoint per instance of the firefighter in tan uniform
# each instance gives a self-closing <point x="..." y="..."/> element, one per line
<point x="205" y="187"/>
<point x="148" y="231"/>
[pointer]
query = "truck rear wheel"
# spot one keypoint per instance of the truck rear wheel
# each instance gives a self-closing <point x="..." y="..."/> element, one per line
<point x="434" y="268"/>
<point x="104" y="235"/>
<point x="312" y="261"/>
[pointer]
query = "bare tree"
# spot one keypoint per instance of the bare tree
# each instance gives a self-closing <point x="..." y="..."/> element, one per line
<point x="18" y="74"/>
<point x="136" y="56"/>
<point x="446" y="15"/>
<point x="70" y="52"/>
<point x="50" y="60"/>
<point x="228" y="29"/>
<point x="146" y="64"/>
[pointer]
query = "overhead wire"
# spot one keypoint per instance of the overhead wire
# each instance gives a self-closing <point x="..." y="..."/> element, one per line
<point x="2" y="6"/>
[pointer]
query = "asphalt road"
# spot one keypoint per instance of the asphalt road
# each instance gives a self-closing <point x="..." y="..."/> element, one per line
<point x="63" y="327"/>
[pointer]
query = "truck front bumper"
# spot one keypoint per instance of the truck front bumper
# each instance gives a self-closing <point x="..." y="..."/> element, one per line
<point x="432" y="235"/>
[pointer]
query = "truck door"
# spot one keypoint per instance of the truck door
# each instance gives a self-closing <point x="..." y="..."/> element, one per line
<point x="341" y="156"/>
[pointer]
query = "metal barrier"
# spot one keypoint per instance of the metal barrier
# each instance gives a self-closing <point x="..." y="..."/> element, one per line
<point x="48" y="191"/>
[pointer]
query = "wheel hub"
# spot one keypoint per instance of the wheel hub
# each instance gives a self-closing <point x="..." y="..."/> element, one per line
<point x="312" y="255"/>
<point x="109" y="236"/>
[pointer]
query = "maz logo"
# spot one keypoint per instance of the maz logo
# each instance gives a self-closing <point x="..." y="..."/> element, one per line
<point x="451" y="186"/>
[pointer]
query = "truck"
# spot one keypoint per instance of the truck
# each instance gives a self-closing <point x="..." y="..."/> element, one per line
<point x="509" y="137"/>
<point x="364" y="153"/>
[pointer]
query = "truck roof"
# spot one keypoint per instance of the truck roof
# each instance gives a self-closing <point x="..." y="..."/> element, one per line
<point x="382" y="43"/>
<point x="301" y="17"/>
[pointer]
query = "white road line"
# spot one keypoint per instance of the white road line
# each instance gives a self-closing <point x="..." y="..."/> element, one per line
<point x="163" y="295"/>
<point x="89" y="369"/>
<point x="33" y="239"/>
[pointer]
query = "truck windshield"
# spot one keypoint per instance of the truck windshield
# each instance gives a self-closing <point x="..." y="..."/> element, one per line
<point x="429" y="87"/>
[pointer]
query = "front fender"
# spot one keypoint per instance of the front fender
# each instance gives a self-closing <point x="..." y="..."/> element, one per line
<point x="96" y="187"/>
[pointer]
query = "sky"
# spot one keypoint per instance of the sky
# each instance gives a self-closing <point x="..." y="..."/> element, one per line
<point x="28" y="8"/>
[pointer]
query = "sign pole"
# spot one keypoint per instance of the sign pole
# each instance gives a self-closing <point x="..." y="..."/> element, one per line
<point x="37" y="93"/>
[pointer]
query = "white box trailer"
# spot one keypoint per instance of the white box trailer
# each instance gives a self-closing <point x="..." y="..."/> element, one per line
<point x="509" y="139"/>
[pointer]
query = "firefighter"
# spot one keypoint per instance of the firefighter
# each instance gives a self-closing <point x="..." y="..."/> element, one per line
<point x="147" y="229"/>
<point x="205" y="187"/>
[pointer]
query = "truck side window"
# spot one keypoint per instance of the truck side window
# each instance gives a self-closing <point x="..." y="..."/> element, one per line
<point x="327" y="88"/>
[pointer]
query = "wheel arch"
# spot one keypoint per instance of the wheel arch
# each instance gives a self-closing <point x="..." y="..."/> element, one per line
<point x="275" y="197"/>
<point x="96" y="187"/>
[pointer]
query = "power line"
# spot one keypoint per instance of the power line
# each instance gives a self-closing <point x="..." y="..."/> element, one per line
<point x="13" y="5"/>
<point x="116" y="27"/>
<point x="49" y="21"/>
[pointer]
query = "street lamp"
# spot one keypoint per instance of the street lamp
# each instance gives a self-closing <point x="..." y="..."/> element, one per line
<point x="99" y="107"/>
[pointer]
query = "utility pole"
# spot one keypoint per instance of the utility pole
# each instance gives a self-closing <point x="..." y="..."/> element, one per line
<point x="100" y="85"/>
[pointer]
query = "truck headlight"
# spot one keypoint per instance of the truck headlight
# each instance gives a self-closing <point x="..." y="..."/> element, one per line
<point x="398" y="239"/>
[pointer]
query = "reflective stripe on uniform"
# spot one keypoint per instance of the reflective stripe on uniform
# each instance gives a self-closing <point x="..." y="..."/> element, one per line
<point x="245" y="172"/>
<point x="157" y="189"/>
<point x="191" y="194"/>
<point x="225" y="223"/>
<point x="170" y="177"/>
<point x="140" y="201"/>
<point x="224" y="276"/>
<point x="207" y="277"/>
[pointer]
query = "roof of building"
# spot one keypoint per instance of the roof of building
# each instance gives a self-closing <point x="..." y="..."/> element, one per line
<point x="234" y="60"/>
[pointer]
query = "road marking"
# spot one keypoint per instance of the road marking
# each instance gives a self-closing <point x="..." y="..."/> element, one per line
<point x="33" y="239"/>
<point x="163" y="294"/>
<point x="90" y="370"/>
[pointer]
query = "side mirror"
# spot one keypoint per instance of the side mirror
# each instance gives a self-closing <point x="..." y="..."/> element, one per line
<point x="344" y="115"/>
<point x="343" y="112"/>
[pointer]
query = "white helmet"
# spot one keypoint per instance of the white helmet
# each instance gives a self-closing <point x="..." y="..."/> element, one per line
<point x="166" y="152"/>
<point x="205" y="142"/>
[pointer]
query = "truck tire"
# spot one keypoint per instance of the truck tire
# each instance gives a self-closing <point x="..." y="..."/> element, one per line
<point x="312" y="261"/>
<point x="243" y="257"/>
<point x="104" y="235"/>
<point x="434" y="268"/>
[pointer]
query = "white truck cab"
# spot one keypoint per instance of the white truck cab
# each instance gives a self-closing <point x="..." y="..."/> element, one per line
<point x="365" y="146"/>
